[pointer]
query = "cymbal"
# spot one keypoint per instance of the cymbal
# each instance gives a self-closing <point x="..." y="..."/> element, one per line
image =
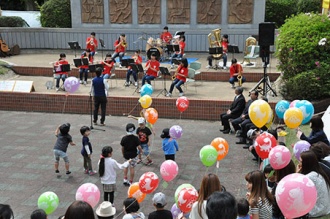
<point x="142" y="38"/>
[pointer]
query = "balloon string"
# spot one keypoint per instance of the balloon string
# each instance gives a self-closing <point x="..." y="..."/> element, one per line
<point x="66" y="98"/>
<point x="206" y="171"/>
<point x="124" y="209"/>
<point x="180" y="115"/>
<point x="133" y="108"/>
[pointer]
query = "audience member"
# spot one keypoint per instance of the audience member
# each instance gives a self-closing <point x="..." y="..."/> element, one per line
<point x="317" y="133"/>
<point x="159" y="201"/>
<point x="131" y="208"/>
<point x="221" y="205"/>
<point x="243" y="209"/>
<point x="6" y="212"/>
<point x="38" y="214"/>
<point x="169" y="145"/>
<point x="79" y="210"/>
<point x="105" y="210"/>
<point x="322" y="150"/>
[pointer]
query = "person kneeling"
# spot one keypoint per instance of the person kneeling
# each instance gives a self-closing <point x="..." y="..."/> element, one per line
<point x="236" y="71"/>
<point x="181" y="76"/>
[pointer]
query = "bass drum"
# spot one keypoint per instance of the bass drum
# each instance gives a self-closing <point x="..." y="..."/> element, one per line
<point x="157" y="50"/>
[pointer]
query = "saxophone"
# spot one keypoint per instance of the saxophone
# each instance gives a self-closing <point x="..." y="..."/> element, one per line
<point x="216" y="42"/>
<point x="175" y="73"/>
<point x="250" y="41"/>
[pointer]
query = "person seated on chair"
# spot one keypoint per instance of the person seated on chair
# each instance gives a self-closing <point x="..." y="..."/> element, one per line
<point x="181" y="76"/>
<point x="91" y="43"/>
<point x="120" y="48"/>
<point x="224" y="45"/>
<point x="179" y="54"/>
<point x="235" y="110"/>
<point x="166" y="36"/>
<point x="235" y="71"/>
<point x="152" y="69"/>
<point x="83" y="70"/>
<point x="58" y="73"/>
<point x="138" y="60"/>
<point x="108" y="64"/>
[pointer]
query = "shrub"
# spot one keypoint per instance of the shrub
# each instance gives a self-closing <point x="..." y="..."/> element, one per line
<point x="12" y="21"/>
<point x="56" y="13"/>
<point x="278" y="10"/>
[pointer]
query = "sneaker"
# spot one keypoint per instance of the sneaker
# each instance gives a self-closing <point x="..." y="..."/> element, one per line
<point x="168" y="94"/>
<point x="233" y="86"/>
<point x="181" y="94"/>
<point x="81" y="81"/>
<point x="57" y="89"/>
<point x="149" y="162"/>
<point x="224" y="67"/>
<point x="102" y="124"/>
<point x="68" y="172"/>
<point x="120" y="66"/>
<point x="57" y="171"/>
<point x="139" y="161"/>
<point x="85" y="82"/>
<point x="135" y="84"/>
<point x="91" y="172"/>
<point x="126" y="182"/>
<point x="86" y="171"/>
<point x="208" y="66"/>
<point x="126" y="84"/>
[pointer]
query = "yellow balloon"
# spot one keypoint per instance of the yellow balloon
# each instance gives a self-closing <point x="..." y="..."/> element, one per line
<point x="260" y="113"/>
<point x="293" y="117"/>
<point x="145" y="101"/>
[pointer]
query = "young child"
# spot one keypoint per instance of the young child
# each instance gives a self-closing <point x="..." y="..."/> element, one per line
<point x="269" y="176"/>
<point x="108" y="64"/>
<point x="148" y="124"/>
<point x="159" y="201"/>
<point x="243" y="209"/>
<point x="131" y="208"/>
<point x="107" y="171"/>
<point x="61" y="146"/>
<point x="87" y="150"/>
<point x="58" y="73"/>
<point x="144" y="133"/>
<point x="130" y="144"/>
<point x="83" y="70"/>
<point x="169" y="145"/>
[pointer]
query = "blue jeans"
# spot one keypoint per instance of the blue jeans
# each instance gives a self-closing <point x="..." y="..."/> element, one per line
<point x="177" y="83"/>
<point x="58" y="78"/>
<point x="175" y="56"/>
<point x="233" y="79"/>
<point x="60" y="154"/>
<point x="83" y="72"/>
<point x="106" y="76"/>
<point x="224" y="58"/>
<point x="147" y="78"/>
<point x="129" y="73"/>
<point x="120" y="54"/>
<point x="145" y="148"/>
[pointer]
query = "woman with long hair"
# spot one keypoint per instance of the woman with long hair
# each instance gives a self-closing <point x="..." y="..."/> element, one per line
<point x="210" y="183"/>
<point x="181" y="75"/>
<point x="258" y="196"/>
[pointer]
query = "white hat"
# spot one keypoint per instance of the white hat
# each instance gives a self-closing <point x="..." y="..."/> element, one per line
<point x="176" y="37"/>
<point x="251" y="133"/>
<point x="105" y="209"/>
<point x="159" y="199"/>
<point x="141" y="120"/>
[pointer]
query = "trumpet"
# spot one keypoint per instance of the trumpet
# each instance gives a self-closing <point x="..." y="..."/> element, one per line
<point x="239" y="78"/>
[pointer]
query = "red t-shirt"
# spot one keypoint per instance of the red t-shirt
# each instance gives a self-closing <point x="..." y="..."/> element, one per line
<point x="166" y="37"/>
<point x="235" y="69"/>
<point x="224" y="46"/>
<point x="106" y="68"/>
<point x="184" y="71"/>
<point x="182" y="45"/>
<point x="119" y="48"/>
<point x="58" y="64"/>
<point x="90" y="60"/>
<point x="92" y="46"/>
<point x="137" y="61"/>
<point x="154" y="64"/>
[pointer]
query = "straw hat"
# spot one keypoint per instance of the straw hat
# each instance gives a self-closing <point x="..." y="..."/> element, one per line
<point x="105" y="209"/>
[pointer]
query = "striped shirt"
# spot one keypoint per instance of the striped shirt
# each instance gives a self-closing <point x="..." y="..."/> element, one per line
<point x="263" y="209"/>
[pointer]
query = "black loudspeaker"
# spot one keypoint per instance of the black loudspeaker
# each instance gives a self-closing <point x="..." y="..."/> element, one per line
<point x="266" y="34"/>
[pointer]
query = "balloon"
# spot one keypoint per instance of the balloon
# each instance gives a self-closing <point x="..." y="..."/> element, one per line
<point x="175" y="211"/>
<point x="295" y="195"/>
<point x="169" y="170"/>
<point x="221" y="145"/>
<point x="135" y="192"/>
<point x="279" y="157"/>
<point x="71" y="84"/>
<point x="307" y="109"/>
<point x="208" y="155"/>
<point x="151" y="115"/>
<point x="259" y="112"/>
<point x="89" y="193"/>
<point x="48" y="201"/>
<point x="176" y="194"/>
<point x="148" y="182"/>
<point x="146" y="90"/>
<point x="281" y="107"/>
<point x="175" y="132"/>
<point x="186" y="198"/>
<point x="293" y="103"/>
<point x="293" y="117"/>
<point x="299" y="147"/>
<point x="145" y="101"/>
<point x="182" y="103"/>
<point x="264" y="143"/>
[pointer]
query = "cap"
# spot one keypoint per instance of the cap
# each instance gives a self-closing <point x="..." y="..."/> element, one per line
<point x="251" y="133"/>
<point x="105" y="209"/>
<point x="165" y="133"/>
<point x="130" y="128"/>
<point x="141" y="120"/>
<point x="159" y="199"/>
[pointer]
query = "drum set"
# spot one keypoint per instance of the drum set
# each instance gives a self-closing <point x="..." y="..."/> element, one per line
<point x="156" y="46"/>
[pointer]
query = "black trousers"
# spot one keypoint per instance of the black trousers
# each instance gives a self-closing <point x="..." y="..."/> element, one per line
<point x="224" y="117"/>
<point x="100" y="101"/>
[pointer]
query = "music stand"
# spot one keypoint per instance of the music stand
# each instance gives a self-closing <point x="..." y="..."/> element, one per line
<point x="137" y="68"/>
<point x="216" y="51"/>
<point x="79" y="62"/>
<point x="164" y="71"/>
<point x="61" y="68"/>
<point x="127" y="62"/>
<point x="233" y="49"/>
<point x="176" y="61"/>
<point x="102" y="45"/>
<point x="74" y="45"/>
<point x="92" y="68"/>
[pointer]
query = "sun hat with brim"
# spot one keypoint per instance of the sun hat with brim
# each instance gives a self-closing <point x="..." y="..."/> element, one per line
<point x="105" y="209"/>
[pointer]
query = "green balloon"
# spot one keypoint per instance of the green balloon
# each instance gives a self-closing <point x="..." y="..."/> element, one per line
<point x="208" y="155"/>
<point x="176" y="194"/>
<point x="48" y="201"/>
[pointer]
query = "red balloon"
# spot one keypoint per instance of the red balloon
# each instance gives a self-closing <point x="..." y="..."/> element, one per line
<point x="148" y="182"/>
<point x="186" y="199"/>
<point x="264" y="143"/>
<point x="182" y="103"/>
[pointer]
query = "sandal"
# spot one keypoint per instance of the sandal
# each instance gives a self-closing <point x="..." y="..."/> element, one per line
<point x="139" y="161"/>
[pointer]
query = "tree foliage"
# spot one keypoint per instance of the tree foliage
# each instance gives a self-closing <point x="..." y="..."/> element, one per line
<point x="279" y="10"/>
<point x="56" y="13"/>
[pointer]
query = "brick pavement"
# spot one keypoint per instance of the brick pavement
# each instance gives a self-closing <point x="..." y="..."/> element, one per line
<point x="26" y="159"/>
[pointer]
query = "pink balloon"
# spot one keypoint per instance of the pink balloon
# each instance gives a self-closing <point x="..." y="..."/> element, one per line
<point x="293" y="103"/>
<point x="71" y="84"/>
<point x="148" y="182"/>
<point x="89" y="193"/>
<point x="295" y="195"/>
<point x="169" y="170"/>
<point x="279" y="157"/>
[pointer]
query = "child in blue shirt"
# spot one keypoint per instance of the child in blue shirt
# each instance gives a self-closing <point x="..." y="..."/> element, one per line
<point x="87" y="150"/>
<point x="243" y="209"/>
<point x="169" y="145"/>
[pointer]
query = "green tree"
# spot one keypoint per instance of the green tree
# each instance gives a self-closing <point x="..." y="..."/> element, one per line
<point x="56" y="13"/>
<point x="279" y="10"/>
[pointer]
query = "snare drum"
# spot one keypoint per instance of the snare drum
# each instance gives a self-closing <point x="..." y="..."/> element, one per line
<point x="159" y="42"/>
<point x="151" y="43"/>
<point x="157" y="50"/>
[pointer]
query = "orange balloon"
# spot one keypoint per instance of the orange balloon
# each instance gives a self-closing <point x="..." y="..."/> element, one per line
<point x="151" y="115"/>
<point x="134" y="191"/>
<point x="222" y="147"/>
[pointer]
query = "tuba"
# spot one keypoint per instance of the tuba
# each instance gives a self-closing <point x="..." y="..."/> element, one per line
<point x="215" y="40"/>
<point x="250" y="41"/>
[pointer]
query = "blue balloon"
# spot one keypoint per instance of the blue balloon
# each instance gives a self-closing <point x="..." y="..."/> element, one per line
<point x="307" y="108"/>
<point x="146" y="89"/>
<point x="281" y="107"/>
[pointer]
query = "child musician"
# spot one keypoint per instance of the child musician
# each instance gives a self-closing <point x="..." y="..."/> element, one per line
<point x="152" y="69"/>
<point x="181" y="76"/>
<point x="120" y="48"/>
<point x="166" y="36"/>
<point x="83" y="70"/>
<point x="138" y="60"/>
<point x="108" y="64"/>
<point x="180" y="53"/>
<point x="91" y="43"/>
<point x="59" y="74"/>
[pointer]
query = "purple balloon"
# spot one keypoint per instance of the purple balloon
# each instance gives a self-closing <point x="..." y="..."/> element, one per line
<point x="300" y="147"/>
<point x="176" y="132"/>
<point x="175" y="211"/>
<point x="71" y="84"/>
